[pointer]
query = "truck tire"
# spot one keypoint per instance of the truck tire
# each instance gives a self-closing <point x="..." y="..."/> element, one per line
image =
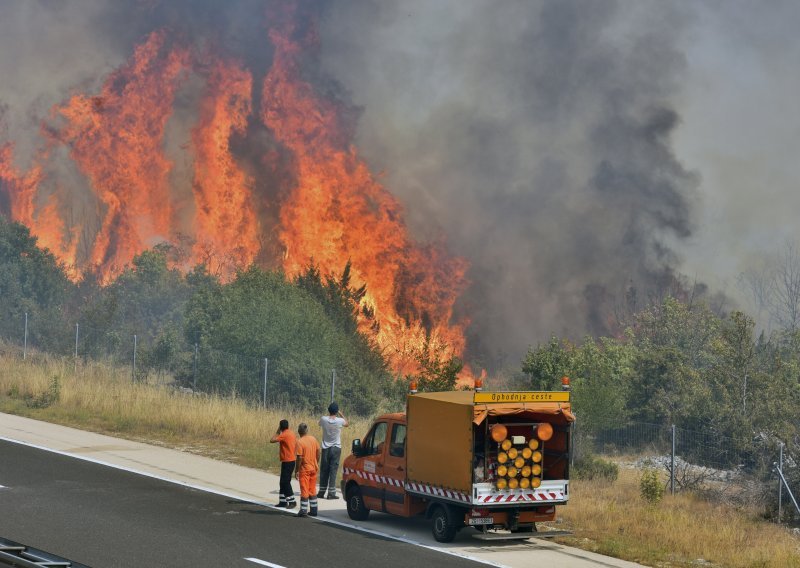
<point x="443" y="524"/>
<point x="356" y="509"/>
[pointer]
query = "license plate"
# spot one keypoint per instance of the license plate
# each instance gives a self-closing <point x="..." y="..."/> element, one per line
<point x="482" y="521"/>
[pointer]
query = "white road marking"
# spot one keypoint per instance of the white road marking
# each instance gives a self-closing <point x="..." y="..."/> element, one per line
<point x="264" y="562"/>
<point x="2" y="487"/>
<point x="260" y="503"/>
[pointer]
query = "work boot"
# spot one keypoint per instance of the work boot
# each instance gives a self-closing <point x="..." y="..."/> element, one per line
<point x="332" y="496"/>
<point x="321" y="494"/>
<point x="302" y="513"/>
<point x="282" y="505"/>
<point x="291" y="505"/>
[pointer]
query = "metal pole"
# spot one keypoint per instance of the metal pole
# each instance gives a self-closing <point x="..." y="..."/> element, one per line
<point x="266" y="371"/>
<point x="672" y="464"/>
<point x="788" y="490"/>
<point x="194" y="372"/>
<point x="76" y="347"/>
<point x="333" y="384"/>
<point x="133" y="376"/>
<point x="780" y="486"/>
<point x="25" y="344"/>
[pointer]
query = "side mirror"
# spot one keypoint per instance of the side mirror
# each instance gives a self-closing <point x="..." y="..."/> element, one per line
<point x="356" y="447"/>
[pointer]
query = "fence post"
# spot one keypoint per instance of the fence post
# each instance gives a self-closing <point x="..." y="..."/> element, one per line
<point x="266" y="371"/>
<point x="133" y="375"/>
<point x="780" y="485"/>
<point x="672" y="464"/>
<point x="75" y="366"/>
<point x="25" y="344"/>
<point x="194" y="371"/>
<point x="333" y="384"/>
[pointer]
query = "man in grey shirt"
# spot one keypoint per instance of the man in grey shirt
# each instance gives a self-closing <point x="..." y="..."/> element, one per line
<point x="331" y="450"/>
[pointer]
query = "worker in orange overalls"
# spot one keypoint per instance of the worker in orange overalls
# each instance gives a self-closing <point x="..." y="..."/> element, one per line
<point x="287" y="455"/>
<point x="308" y="454"/>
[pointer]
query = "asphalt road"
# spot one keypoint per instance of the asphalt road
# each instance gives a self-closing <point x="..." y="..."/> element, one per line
<point x="104" y="517"/>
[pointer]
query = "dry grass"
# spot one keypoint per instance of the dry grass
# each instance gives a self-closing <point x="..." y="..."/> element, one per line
<point x="609" y="519"/>
<point x="683" y="530"/>
<point x="103" y="399"/>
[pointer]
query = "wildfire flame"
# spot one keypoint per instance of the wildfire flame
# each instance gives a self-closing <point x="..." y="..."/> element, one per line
<point x="332" y="210"/>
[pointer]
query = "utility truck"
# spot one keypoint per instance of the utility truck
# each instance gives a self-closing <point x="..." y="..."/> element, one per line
<point x="495" y="461"/>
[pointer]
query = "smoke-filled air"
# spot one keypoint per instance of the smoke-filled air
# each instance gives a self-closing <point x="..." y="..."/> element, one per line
<point x="494" y="172"/>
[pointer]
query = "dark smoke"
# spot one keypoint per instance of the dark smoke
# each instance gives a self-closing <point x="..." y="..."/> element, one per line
<point x="535" y="135"/>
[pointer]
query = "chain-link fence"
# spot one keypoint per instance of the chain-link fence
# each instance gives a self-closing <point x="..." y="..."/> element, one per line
<point x="738" y="472"/>
<point x="170" y="359"/>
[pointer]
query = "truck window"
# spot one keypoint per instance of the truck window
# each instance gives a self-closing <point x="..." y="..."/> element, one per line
<point x="397" y="447"/>
<point x="373" y="443"/>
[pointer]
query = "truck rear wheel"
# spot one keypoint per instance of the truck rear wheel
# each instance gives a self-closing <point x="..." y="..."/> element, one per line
<point x="356" y="509"/>
<point x="443" y="524"/>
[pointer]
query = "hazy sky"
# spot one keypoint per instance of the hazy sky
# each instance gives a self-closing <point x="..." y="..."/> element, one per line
<point x="740" y="130"/>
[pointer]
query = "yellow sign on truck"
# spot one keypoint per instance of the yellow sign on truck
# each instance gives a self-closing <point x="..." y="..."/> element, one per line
<point x="490" y="460"/>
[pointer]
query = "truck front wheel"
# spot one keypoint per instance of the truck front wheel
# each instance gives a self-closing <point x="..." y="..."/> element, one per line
<point x="443" y="525"/>
<point x="355" y="504"/>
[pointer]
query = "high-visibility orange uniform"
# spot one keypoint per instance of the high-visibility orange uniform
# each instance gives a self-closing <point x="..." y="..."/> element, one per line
<point x="308" y="453"/>
<point x="288" y="442"/>
<point x="287" y="455"/>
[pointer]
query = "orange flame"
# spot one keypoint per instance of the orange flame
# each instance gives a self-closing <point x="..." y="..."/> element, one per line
<point x="225" y="220"/>
<point x="45" y="224"/>
<point x="21" y="188"/>
<point x="334" y="211"/>
<point x="339" y="212"/>
<point x="116" y="140"/>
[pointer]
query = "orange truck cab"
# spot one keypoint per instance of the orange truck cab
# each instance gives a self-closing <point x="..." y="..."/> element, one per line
<point x="491" y="460"/>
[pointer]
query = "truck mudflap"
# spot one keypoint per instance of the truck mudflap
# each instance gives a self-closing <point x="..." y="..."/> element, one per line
<point x="550" y="491"/>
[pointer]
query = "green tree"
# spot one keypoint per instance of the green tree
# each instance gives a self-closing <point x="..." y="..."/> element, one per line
<point x="438" y="371"/>
<point x="32" y="281"/>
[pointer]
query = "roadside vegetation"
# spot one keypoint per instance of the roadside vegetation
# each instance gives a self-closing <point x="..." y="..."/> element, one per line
<point x="680" y="531"/>
<point x="607" y="511"/>
<point x="102" y="399"/>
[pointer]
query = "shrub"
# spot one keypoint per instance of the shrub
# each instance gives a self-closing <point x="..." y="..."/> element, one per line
<point x="593" y="468"/>
<point x="46" y="398"/>
<point x="650" y="486"/>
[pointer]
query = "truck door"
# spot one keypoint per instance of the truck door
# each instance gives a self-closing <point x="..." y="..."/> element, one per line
<point x="393" y="471"/>
<point x="373" y="452"/>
